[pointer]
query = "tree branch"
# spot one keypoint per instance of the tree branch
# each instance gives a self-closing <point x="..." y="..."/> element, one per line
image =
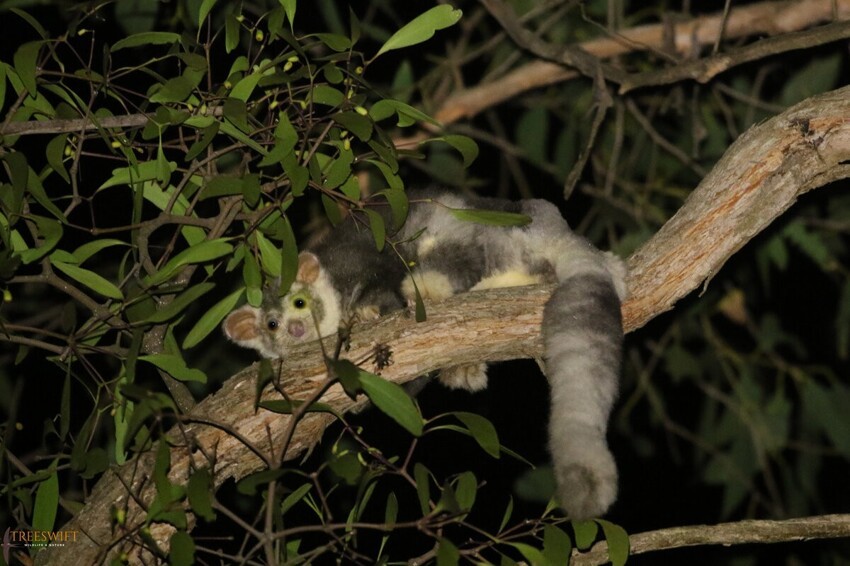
<point x="739" y="532"/>
<point x="758" y="178"/>
<point x="682" y="38"/>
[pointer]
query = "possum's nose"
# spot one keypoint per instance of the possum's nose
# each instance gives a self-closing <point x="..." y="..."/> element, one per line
<point x="296" y="328"/>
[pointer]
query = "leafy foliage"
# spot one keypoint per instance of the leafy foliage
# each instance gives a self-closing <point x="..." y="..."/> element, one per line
<point x="158" y="160"/>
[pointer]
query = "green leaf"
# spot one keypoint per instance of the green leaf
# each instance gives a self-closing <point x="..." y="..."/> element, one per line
<point x="407" y="114"/>
<point x="178" y="89"/>
<point x="289" y="7"/>
<point x="298" y="175"/>
<point x="174" y="366"/>
<point x="447" y="553"/>
<point x="25" y="61"/>
<point x="490" y="217"/>
<point x="199" y="253"/>
<point x="270" y="255"/>
<point x="556" y="546"/>
<point x="204" y="10"/>
<point x="335" y="41"/>
<point x="327" y="95"/>
<point x="182" y="551"/>
<point x="533" y="555"/>
<point x="36" y="189"/>
<point x="509" y="510"/>
<point x="31" y="21"/>
<point x="379" y="231"/>
<point x="65" y="410"/>
<point x="199" y="490"/>
<point x="289" y="256"/>
<point x="585" y="533"/>
<point x="533" y="133"/>
<point x="294" y="497"/>
<point x="180" y="303"/>
<point x="466" y="146"/>
<point x="360" y="126"/>
<point x="146" y="171"/>
<point x="823" y="407"/>
<point x="422" y="28"/>
<point x="286" y="406"/>
<point x="89" y="249"/>
<point x="466" y="490"/>
<point x="393" y="400"/>
<point x="146" y="38"/>
<point x="212" y="318"/>
<point x="250" y="484"/>
<point x="208" y="136"/>
<point x="399" y="204"/>
<point x="340" y="169"/>
<point x="228" y="128"/>
<point x="618" y="542"/>
<point x="243" y="89"/>
<point x="50" y="232"/>
<point x="482" y="430"/>
<point x="808" y="242"/>
<point x="55" y="152"/>
<point x="423" y="487"/>
<point x="90" y="279"/>
<point x="231" y="33"/>
<point x="46" y="504"/>
<point x="285" y="132"/>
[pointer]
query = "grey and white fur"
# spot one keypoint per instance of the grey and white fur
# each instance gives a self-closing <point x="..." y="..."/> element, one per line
<point x="344" y="278"/>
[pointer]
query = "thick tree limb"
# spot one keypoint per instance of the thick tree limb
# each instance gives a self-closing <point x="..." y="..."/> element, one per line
<point x="759" y="177"/>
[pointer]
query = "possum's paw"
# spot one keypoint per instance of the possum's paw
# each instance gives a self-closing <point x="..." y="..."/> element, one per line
<point x="365" y="313"/>
<point x="432" y="286"/>
<point x="471" y="377"/>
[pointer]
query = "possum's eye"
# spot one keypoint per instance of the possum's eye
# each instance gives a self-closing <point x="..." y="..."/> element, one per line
<point x="272" y="324"/>
<point x="300" y="302"/>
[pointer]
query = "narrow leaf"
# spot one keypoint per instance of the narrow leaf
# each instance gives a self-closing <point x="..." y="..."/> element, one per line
<point x="25" y="61"/>
<point x="212" y="318"/>
<point x="379" y="231"/>
<point x="174" y="366"/>
<point x="180" y="303"/>
<point x="422" y="28"/>
<point x="199" y="253"/>
<point x="182" y="551"/>
<point x="146" y="38"/>
<point x="393" y="400"/>
<point x="90" y="279"/>
<point x="490" y="217"/>
<point x="46" y="504"/>
<point x="199" y="490"/>
<point x="482" y="430"/>
<point x="294" y="497"/>
<point x="423" y="487"/>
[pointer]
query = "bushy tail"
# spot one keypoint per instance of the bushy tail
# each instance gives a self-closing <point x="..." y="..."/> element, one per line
<point x="583" y="334"/>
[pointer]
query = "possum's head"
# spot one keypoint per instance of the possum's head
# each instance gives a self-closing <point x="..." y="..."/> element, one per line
<point x="309" y="310"/>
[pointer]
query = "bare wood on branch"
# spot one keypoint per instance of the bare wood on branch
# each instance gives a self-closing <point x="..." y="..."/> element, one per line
<point x="738" y="532"/>
<point x="759" y="177"/>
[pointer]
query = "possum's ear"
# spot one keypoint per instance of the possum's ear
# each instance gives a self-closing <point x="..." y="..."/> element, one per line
<point x="308" y="268"/>
<point x="243" y="326"/>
